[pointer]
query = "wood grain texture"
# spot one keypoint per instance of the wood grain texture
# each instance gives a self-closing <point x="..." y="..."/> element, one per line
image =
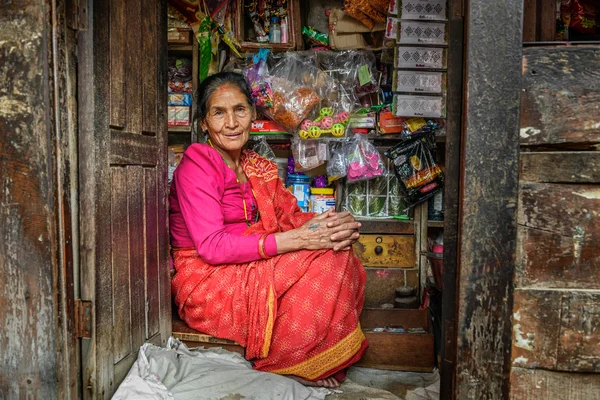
<point x="393" y="251"/>
<point x="547" y="21"/>
<point x="560" y="167"/>
<point x="381" y="285"/>
<point x="488" y="199"/>
<point x="137" y="278"/>
<point x="377" y="317"/>
<point x="529" y="20"/>
<point x="128" y="149"/>
<point x="527" y="384"/>
<point x="149" y="37"/>
<point x="389" y="227"/>
<point x="133" y="73"/>
<point x="561" y="90"/>
<point x="557" y="330"/>
<point x="152" y="267"/>
<point x="131" y="293"/>
<point x="122" y="297"/>
<point x="28" y="210"/>
<point x="453" y="169"/>
<point x="398" y="351"/>
<point x="118" y="27"/>
<point x="558" y="236"/>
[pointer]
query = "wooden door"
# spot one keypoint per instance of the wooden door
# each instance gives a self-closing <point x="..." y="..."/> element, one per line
<point x="123" y="186"/>
<point x="556" y="316"/>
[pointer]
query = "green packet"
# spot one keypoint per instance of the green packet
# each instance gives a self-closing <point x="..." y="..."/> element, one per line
<point x="316" y="36"/>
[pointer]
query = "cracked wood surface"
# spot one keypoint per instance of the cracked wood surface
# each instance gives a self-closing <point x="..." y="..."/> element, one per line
<point x="28" y="265"/>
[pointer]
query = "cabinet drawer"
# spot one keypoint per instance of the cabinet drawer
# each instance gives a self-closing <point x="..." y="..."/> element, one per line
<point x="392" y="251"/>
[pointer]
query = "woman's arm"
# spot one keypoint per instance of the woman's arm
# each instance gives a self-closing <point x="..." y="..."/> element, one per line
<point x="200" y="183"/>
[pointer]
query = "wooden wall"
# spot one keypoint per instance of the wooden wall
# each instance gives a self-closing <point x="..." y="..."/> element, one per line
<point x="556" y="319"/>
<point x="28" y="263"/>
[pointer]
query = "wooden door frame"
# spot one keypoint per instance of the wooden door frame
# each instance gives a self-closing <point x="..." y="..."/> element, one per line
<point x="480" y="224"/>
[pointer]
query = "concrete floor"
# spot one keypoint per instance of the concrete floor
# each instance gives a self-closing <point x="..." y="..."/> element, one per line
<point x="374" y="384"/>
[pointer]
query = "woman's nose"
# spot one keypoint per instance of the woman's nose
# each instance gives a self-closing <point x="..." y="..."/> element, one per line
<point x="231" y="120"/>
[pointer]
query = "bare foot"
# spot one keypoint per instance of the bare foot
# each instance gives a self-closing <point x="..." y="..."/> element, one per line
<point x="330" y="383"/>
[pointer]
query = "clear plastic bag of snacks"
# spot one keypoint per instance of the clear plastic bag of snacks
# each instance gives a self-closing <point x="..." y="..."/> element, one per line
<point x="308" y="154"/>
<point x="297" y="88"/>
<point x="419" y="175"/>
<point x="364" y="161"/>
<point x="337" y="166"/>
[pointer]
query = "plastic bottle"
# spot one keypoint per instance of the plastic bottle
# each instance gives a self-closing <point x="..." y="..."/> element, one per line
<point x="321" y="200"/>
<point x="284" y="30"/>
<point x="299" y="185"/>
<point x="275" y="31"/>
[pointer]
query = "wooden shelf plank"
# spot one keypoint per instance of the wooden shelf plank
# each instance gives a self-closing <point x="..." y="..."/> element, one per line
<point x="387" y="226"/>
<point x="435" y="224"/>
<point x="181" y="47"/>
<point x="180" y="129"/>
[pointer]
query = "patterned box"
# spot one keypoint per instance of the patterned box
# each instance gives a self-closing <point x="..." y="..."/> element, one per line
<point x="420" y="57"/>
<point x="419" y="82"/>
<point x="423" y="10"/>
<point x="417" y="32"/>
<point x="419" y="106"/>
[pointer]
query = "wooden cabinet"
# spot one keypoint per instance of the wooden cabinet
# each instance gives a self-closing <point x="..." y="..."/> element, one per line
<point x="382" y="250"/>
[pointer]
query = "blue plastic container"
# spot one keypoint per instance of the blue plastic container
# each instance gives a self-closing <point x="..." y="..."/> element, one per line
<point x="299" y="185"/>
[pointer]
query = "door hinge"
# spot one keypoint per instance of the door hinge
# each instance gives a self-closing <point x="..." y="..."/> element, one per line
<point x="83" y="319"/>
<point x="77" y="14"/>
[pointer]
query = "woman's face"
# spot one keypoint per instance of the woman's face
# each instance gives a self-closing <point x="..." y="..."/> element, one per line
<point x="229" y="118"/>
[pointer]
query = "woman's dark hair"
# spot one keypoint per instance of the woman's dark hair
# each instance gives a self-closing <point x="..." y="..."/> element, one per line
<point x="211" y="83"/>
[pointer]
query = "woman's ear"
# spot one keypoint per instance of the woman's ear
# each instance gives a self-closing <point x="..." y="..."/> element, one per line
<point x="203" y="126"/>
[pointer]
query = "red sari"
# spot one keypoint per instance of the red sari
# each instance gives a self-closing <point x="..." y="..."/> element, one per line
<point x="296" y="313"/>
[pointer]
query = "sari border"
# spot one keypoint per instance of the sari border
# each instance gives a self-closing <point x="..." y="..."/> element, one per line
<point x="270" y="321"/>
<point x="327" y="360"/>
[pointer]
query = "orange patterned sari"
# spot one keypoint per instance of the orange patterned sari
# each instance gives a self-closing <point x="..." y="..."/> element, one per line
<point x="296" y="313"/>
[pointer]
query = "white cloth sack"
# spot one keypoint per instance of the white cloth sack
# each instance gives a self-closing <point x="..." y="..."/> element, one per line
<point x="176" y="372"/>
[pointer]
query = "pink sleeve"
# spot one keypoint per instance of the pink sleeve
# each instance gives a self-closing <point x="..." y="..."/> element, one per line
<point x="200" y="181"/>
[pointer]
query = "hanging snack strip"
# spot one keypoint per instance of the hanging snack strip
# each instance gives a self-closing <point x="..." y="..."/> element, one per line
<point x="415" y="166"/>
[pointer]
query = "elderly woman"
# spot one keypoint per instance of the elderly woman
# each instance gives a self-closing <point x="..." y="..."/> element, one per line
<point x="250" y="265"/>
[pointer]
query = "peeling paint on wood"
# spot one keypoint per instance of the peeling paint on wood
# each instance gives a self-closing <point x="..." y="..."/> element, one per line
<point x="28" y="265"/>
<point x="529" y="384"/>
<point x="558" y="236"/>
<point x="557" y="330"/>
<point x="488" y="199"/>
<point x="561" y="95"/>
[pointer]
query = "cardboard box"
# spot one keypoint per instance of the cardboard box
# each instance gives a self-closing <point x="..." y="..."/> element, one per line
<point x="347" y="33"/>
<point x="176" y="36"/>
<point x="178" y="116"/>
<point x="266" y="127"/>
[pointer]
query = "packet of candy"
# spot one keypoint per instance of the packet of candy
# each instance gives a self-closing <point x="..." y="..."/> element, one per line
<point x="415" y="166"/>
<point x="364" y="161"/>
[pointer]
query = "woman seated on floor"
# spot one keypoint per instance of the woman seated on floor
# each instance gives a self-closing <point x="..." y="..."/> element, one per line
<point x="250" y="265"/>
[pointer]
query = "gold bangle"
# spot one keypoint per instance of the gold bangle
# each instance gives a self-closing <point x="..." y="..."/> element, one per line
<point x="261" y="246"/>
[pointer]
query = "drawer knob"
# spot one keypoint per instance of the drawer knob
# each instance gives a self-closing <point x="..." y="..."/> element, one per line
<point x="378" y="250"/>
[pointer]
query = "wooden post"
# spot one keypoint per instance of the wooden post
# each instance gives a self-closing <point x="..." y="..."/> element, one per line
<point x="488" y="199"/>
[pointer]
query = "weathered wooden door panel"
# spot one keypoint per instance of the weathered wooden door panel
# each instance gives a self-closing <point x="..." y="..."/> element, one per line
<point x="556" y="319"/>
<point x="124" y="186"/>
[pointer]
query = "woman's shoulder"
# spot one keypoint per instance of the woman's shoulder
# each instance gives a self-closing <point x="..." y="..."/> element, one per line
<point x="201" y="151"/>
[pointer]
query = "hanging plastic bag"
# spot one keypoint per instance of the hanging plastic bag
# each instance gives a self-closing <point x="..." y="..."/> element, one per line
<point x="308" y="154"/>
<point x="364" y="161"/>
<point x="337" y="166"/>
<point x="263" y="149"/>
<point x="419" y="174"/>
<point x="256" y="76"/>
<point x="297" y="85"/>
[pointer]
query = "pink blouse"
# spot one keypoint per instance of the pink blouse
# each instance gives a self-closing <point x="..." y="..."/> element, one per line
<point x="207" y="211"/>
